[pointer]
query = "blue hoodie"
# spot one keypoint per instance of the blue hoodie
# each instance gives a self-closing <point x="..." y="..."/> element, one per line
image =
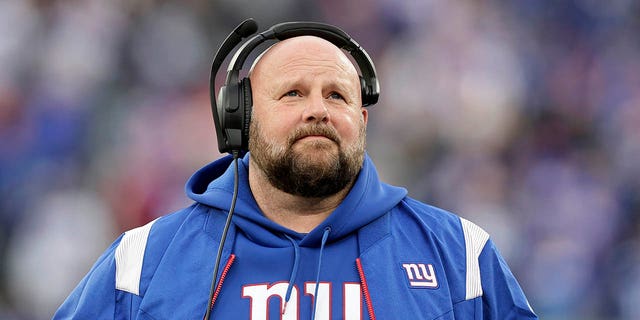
<point x="379" y="255"/>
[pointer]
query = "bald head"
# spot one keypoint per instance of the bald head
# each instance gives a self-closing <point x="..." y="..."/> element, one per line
<point x="304" y="56"/>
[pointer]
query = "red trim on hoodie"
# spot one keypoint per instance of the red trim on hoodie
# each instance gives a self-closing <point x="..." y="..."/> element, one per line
<point x="365" y="290"/>
<point x="222" y="277"/>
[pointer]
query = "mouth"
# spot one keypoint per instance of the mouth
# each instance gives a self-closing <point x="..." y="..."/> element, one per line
<point x="314" y="138"/>
<point x="315" y="142"/>
<point x="316" y="135"/>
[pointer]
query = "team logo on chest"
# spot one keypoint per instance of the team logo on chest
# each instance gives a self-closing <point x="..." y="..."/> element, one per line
<point x="350" y="308"/>
<point x="420" y="275"/>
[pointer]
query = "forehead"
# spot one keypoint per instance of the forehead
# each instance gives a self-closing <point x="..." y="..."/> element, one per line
<point x="304" y="53"/>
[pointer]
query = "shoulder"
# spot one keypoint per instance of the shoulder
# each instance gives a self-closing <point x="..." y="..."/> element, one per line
<point x="145" y="246"/>
<point x="158" y="230"/>
<point x="458" y="240"/>
<point x="446" y="226"/>
<point x="440" y="222"/>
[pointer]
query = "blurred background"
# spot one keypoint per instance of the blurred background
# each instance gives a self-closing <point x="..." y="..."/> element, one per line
<point x="522" y="116"/>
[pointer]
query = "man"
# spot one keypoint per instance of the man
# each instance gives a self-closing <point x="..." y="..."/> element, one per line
<point x="315" y="234"/>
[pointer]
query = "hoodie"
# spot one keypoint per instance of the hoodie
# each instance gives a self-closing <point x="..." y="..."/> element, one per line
<point x="379" y="255"/>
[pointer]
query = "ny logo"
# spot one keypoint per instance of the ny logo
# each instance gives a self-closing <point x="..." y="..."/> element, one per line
<point x="421" y="275"/>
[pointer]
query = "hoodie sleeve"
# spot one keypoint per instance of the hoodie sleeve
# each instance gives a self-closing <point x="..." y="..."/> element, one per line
<point x="95" y="295"/>
<point x="502" y="296"/>
<point x="492" y="291"/>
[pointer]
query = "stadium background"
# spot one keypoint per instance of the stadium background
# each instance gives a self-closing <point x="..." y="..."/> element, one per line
<point x="523" y="116"/>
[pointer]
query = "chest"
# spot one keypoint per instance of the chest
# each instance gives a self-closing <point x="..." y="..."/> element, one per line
<point x="285" y="283"/>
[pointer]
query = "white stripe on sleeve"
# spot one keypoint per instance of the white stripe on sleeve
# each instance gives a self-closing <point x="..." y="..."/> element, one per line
<point x="475" y="238"/>
<point x="129" y="257"/>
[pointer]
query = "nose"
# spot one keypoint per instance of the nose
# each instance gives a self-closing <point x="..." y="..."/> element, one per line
<point x="315" y="109"/>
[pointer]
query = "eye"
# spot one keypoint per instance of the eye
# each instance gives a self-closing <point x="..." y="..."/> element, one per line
<point x="292" y="93"/>
<point x="335" y="95"/>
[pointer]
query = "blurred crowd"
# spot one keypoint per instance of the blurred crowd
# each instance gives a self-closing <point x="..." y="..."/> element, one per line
<point x="522" y="116"/>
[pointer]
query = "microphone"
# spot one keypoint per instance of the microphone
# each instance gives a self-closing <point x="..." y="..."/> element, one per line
<point x="243" y="30"/>
<point x="246" y="28"/>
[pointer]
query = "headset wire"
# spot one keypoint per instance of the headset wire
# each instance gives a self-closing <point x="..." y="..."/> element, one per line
<point x="223" y="238"/>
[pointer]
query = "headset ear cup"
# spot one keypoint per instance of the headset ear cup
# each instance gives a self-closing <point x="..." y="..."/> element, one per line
<point x="247" y="107"/>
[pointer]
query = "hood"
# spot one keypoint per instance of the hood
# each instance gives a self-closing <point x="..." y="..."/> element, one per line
<point x="368" y="199"/>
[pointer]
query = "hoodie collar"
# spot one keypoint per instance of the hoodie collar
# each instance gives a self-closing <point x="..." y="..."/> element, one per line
<point x="368" y="199"/>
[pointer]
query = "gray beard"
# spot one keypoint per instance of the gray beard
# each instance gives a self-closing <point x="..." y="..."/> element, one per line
<point x="291" y="171"/>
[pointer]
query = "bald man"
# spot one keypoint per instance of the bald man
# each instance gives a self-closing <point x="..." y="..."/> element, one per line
<point x="316" y="234"/>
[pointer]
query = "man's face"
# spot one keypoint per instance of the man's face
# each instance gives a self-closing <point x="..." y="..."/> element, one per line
<point x="308" y="126"/>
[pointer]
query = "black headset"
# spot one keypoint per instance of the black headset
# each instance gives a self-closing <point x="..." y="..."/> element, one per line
<point x="232" y="109"/>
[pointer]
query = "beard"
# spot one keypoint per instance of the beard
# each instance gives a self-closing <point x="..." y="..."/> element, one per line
<point x="303" y="173"/>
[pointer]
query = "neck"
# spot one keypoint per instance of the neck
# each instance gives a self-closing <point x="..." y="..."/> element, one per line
<point x="297" y="213"/>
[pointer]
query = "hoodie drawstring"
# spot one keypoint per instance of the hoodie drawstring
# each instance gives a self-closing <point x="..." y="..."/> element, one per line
<point x="325" y="236"/>
<point x="294" y="271"/>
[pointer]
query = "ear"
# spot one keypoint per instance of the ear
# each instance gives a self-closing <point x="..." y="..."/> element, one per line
<point x="365" y="115"/>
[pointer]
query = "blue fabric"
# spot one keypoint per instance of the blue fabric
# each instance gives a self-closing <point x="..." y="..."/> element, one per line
<point x="294" y="270"/>
<point x="376" y="222"/>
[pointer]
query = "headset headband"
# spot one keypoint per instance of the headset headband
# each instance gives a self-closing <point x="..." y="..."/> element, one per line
<point x="327" y="32"/>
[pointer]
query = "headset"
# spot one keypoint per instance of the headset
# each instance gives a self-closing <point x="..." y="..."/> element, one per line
<point x="232" y="109"/>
